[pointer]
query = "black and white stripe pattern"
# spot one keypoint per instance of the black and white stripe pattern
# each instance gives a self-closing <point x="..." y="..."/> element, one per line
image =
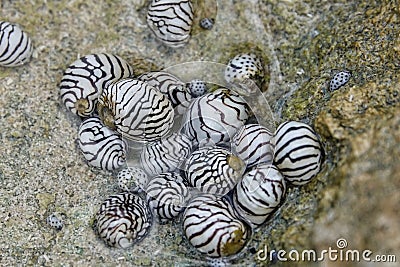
<point x="171" y="21"/>
<point x="15" y="45"/>
<point x="101" y="147"/>
<point x="84" y="80"/>
<point x="212" y="227"/>
<point x="215" y="117"/>
<point x="259" y="193"/>
<point x="165" y="155"/>
<point x="170" y="86"/>
<point x="214" y="170"/>
<point x="298" y="152"/>
<point x="253" y="144"/>
<point x="123" y="220"/>
<point x="132" y="179"/>
<point x="167" y="194"/>
<point x="136" y="110"/>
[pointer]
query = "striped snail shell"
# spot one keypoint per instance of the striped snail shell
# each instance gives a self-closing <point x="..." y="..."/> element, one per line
<point x="215" y="116"/>
<point x="132" y="179"/>
<point x="85" y="79"/>
<point x="136" y="110"/>
<point x="211" y="225"/>
<point x="101" y="147"/>
<point x="165" y="155"/>
<point x="298" y="152"/>
<point x="171" y="21"/>
<point x="123" y="220"/>
<point x="170" y="86"/>
<point x="15" y="45"/>
<point x="167" y="194"/>
<point x="253" y="144"/>
<point x="214" y="170"/>
<point x="259" y="193"/>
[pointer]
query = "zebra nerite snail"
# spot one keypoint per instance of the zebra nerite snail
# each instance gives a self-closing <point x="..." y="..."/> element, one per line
<point x="171" y="21"/>
<point x="253" y="144"/>
<point x="85" y="79"/>
<point x="123" y="219"/>
<point x="171" y="87"/>
<point x="167" y="194"/>
<point x="215" y="117"/>
<point x="214" y="170"/>
<point x="136" y="110"/>
<point x="15" y="45"/>
<point x="101" y="147"/>
<point x="166" y="154"/>
<point x="298" y="152"/>
<point x="259" y="193"/>
<point x="210" y="224"/>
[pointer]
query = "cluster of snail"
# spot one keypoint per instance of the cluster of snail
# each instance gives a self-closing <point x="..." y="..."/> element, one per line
<point x="202" y="158"/>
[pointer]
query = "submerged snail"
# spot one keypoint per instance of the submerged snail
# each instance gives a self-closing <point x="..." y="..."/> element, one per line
<point x="298" y="152"/>
<point x="85" y="79"/>
<point x="170" y="86"/>
<point x="132" y="179"/>
<point x="259" y="193"/>
<point x="15" y="45"/>
<point x="214" y="170"/>
<point x="212" y="227"/>
<point x="171" y="21"/>
<point x="123" y="220"/>
<point x="136" y="110"/>
<point x="167" y="194"/>
<point x="197" y="87"/>
<point x="215" y="117"/>
<point x="166" y="154"/>
<point x="101" y="147"/>
<point x="253" y="144"/>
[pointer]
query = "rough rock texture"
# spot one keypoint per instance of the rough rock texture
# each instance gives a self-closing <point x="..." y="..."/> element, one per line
<point x="303" y="44"/>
